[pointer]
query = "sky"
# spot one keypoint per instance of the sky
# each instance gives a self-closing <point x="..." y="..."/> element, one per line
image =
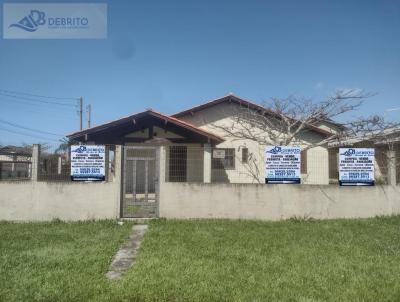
<point x="171" y="55"/>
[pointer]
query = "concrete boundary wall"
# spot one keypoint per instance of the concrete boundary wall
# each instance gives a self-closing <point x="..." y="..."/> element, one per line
<point x="275" y="202"/>
<point x="41" y="201"/>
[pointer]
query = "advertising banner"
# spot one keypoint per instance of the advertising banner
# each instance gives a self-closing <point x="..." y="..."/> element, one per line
<point x="282" y="164"/>
<point x="87" y="162"/>
<point x="356" y="166"/>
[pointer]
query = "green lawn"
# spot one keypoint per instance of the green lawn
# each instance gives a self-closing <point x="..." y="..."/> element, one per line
<point x="205" y="260"/>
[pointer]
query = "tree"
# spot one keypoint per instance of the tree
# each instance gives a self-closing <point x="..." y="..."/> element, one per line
<point x="64" y="146"/>
<point x="286" y="121"/>
<point x="290" y="121"/>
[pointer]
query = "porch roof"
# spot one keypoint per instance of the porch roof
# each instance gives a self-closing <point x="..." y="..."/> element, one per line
<point x="109" y="132"/>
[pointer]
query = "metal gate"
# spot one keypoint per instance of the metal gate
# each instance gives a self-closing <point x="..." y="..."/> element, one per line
<point x="140" y="182"/>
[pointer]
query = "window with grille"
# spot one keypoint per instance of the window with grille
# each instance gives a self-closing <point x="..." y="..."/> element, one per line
<point x="228" y="160"/>
<point x="178" y="163"/>
<point x="333" y="163"/>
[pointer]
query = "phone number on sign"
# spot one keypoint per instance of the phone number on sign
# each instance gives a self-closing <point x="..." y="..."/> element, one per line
<point x="359" y="175"/>
<point x="283" y="173"/>
<point x="89" y="170"/>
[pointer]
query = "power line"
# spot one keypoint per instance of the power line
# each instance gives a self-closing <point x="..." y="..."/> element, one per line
<point x="39" y="96"/>
<point x="35" y="100"/>
<point x="29" y="135"/>
<point x="21" y="105"/>
<point x="27" y="128"/>
<point x="65" y="117"/>
<point x="21" y="98"/>
<point x="25" y="105"/>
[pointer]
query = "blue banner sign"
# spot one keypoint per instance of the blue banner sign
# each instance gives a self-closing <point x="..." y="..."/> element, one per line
<point x="282" y="164"/>
<point x="356" y="166"/>
<point x="87" y="162"/>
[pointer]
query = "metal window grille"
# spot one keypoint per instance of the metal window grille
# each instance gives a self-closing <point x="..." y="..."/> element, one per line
<point x="228" y="160"/>
<point x="178" y="164"/>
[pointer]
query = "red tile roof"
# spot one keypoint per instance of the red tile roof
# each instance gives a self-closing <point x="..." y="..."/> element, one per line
<point x="175" y="118"/>
<point x="243" y="102"/>
<point x="150" y="112"/>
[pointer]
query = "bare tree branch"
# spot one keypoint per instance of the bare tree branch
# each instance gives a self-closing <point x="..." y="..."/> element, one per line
<point x="289" y="121"/>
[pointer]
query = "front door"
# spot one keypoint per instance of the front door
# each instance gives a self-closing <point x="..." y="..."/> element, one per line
<point x="140" y="182"/>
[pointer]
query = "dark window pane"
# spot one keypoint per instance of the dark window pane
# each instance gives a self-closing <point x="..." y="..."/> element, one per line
<point x="245" y="155"/>
<point x="303" y="163"/>
<point x="228" y="162"/>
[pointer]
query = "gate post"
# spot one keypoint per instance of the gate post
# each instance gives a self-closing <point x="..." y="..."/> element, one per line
<point x="207" y="163"/>
<point x="391" y="157"/>
<point x="107" y="163"/>
<point x="35" y="162"/>
<point x="161" y="164"/>
<point x="118" y="178"/>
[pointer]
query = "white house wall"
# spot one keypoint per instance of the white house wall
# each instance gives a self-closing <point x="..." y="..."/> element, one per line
<point x="220" y="115"/>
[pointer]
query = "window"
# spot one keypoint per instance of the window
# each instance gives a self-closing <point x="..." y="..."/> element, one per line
<point x="303" y="164"/>
<point x="223" y="158"/>
<point x="333" y="163"/>
<point x="177" y="163"/>
<point x="245" y="155"/>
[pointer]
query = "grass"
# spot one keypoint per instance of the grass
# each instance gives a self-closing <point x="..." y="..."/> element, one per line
<point x="57" y="261"/>
<point x="205" y="260"/>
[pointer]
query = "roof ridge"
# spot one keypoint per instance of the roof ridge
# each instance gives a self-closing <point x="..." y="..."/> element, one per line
<point x="186" y="123"/>
<point x="153" y="113"/>
<point x="240" y="100"/>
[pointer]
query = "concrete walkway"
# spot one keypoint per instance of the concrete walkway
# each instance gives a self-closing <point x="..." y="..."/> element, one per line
<point x="125" y="257"/>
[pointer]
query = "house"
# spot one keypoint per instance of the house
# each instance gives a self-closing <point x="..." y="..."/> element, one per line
<point x="15" y="162"/>
<point x="387" y="149"/>
<point x="197" y="151"/>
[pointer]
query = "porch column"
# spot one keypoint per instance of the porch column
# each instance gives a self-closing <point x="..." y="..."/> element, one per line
<point x="118" y="162"/>
<point x="107" y="163"/>
<point x="35" y="162"/>
<point x="59" y="165"/>
<point x="162" y="161"/>
<point x="391" y="156"/>
<point x="118" y="169"/>
<point x="207" y="163"/>
<point x="161" y="196"/>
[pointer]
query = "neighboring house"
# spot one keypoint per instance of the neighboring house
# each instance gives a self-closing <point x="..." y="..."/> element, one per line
<point x="382" y="142"/>
<point x="15" y="162"/>
<point x="197" y="151"/>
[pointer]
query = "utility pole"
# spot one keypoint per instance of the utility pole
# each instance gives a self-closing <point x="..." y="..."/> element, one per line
<point x="89" y="114"/>
<point x="80" y="113"/>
